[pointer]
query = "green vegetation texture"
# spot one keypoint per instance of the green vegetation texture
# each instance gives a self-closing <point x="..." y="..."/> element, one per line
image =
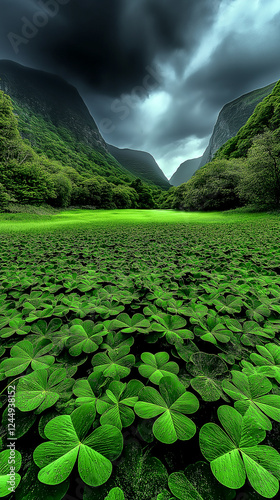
<point x="79" y="218"/>
<point x="142" y="352"/>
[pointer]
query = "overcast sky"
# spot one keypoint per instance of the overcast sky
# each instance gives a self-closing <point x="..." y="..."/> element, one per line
<point x="154" y="73"/>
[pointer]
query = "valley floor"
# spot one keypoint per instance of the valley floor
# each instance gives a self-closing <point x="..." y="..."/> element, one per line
<point x="75" y="218"/>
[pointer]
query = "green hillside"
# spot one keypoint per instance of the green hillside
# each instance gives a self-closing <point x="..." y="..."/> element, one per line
<point x="231" y="118"/>
<point x="140" y="164"/>
<point x="266" y="116"/>
<point x="64" y="146"/>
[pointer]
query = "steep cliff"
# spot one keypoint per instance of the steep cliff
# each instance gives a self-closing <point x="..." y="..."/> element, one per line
<point x="231" y="118"/>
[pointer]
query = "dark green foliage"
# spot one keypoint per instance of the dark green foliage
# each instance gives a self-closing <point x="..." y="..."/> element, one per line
<point x="260" y="179"/>
<point x="212" y="187"/>
<point x="266" y="115"/>
<point x="145" y="194"/>
<point x="246" y="170"/>
<point x="141" y="165"/>
<point x="52" y="165"/>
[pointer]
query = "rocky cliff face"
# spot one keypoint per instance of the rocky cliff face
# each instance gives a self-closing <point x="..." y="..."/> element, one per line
<point x="140" y="164"/>
<point x="51" y="97"/>
<point x="185" y="171"/>
<point x="231" y="118"/>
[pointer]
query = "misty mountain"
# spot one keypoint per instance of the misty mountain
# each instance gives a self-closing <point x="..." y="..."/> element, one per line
<point x="140" y="164"/>
<point x="185" y="171"/>
<point x="231" y="118"/>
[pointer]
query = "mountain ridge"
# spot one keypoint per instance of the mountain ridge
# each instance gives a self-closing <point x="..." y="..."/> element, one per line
<point x="232" y="117"/>
<point x="140" y="164"/>
<point x="185" y="171"/>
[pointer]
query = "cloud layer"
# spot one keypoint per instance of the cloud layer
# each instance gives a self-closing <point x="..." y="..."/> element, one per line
<point x="154" y="73"/>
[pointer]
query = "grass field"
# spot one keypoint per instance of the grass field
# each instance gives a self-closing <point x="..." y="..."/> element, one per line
<point x="67" y="219"/>
<point x="141" y="347"/>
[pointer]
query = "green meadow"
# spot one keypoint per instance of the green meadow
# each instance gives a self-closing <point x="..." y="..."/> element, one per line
<point x="140" y="355"/>
<point x="78" y="218"/>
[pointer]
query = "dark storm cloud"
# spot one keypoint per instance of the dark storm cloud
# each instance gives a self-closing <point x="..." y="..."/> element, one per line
<point x="238" y="66"/>
<point x="154" y="73"/>
<point x="108" y="43"/>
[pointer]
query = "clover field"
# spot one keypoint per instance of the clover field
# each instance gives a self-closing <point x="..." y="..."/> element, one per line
<point x="141" y="352"/>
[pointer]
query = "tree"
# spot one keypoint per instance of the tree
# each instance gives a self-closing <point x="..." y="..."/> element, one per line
<point x="4" y="198"/>
<point x="213" y="187"/>
<point x="260" y="181"/>
<point x="145" y="197"/>
<point x="63" y="190"/>
<point x="124" y="197"/>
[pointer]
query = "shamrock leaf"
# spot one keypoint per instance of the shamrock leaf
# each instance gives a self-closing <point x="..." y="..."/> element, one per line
<point x="173" y="328"/>
<point x="116" y="406"/>
<point x="208" y="371"/>
<point x="268" y="360"/>
<point x="5" y="471"/>
<point x="41" y="327"/>
<point x="235" y="452"/>
<point x="114" y="339"/>
<point x="213" y="330"/>
<point x="196" y="312"/>
<point x="115" y="364"/>
<point x="172" y="402"/>
<point x="229" y="304"/>
<point x="257" y="310"/>
<point x="24" y="353"/>
<point x="87" y="390"/>
<point x="189" y="484"/>
<point x="109" y="308"/>
<point x="17" y="326"/>
<point x="249" y="330"/>
<point x="68" y="443"/>
<point x="156" y="366"/>
<point x="85" y="336"/>
<point x="252" y="390"/>
<point x="41" y="389"/>
<point x="115" y="494"/>
<point x="138" y="323"/>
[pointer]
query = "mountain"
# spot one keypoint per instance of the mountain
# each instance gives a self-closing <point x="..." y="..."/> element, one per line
<point x="244" y="171"/>
<point x="231" y="118"/>
<point x="266" y="117"/>
<point x="54" y="118"/>
<point x="51" y="150"/>
<point x="140" y="164"/>
<point x="185" y="171"/>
